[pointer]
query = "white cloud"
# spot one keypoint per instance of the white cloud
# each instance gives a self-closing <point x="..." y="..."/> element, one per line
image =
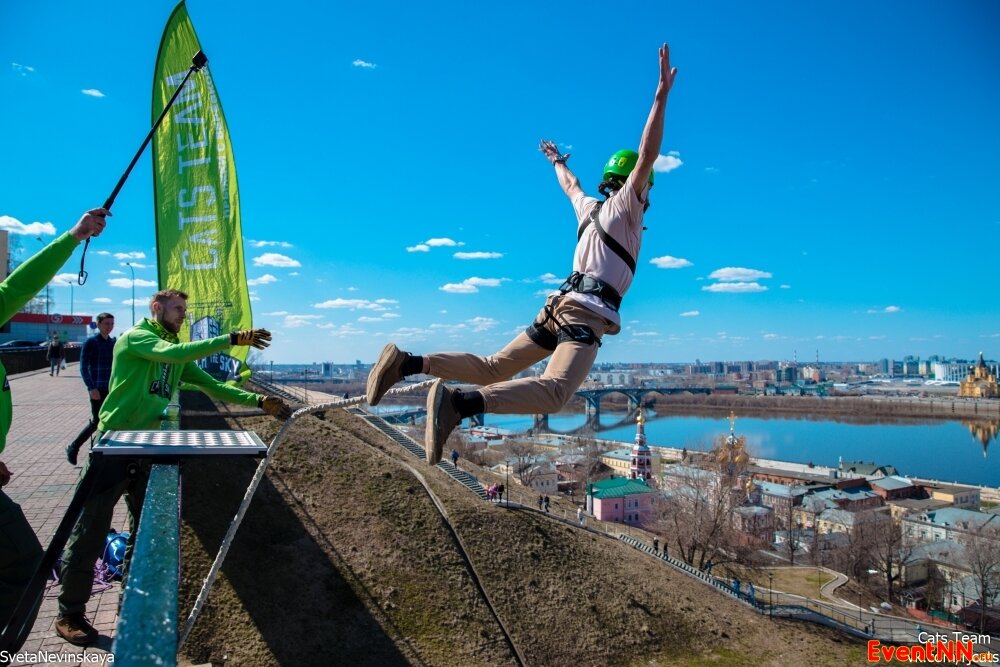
<point x="265" y="279"/>
<point x="101" y="299"/>
<point x="550" y="279"/>
<point x="127" y="282"/>
<point x="275" y="259"/>
<point x="138" y="254"/>
<point x="668" y="262"/>
<point x="771" y="336"/>
<point x="135" y="265"/>
<point x="116" y="272"/>
<point x="735" y="288"/>
<point x="15" y="226"/>
<point x="368" y="318"/>
<point x="355" y="304"/>
<point x="390" y="316"/>
<point x="785" y="286"/>
<point x="420" y="247"/>
<point x="737" y="274"/>
<point x="480" y="323"/>
<point x="443" y="242"/>
<point x="545" y="292"/>
<point x="712" y="170"/>
<point x="293" y="273"/>
<point x="296" y="321"/>
<point x="271" y="244"/>
<point x="92" y="92"/>
<point x="471" y="285"/>
<point x="144" y="301"/>
<point x="888" y="310"/>
<point x="103" y="253"/>
<point x="23" y="70"/>
<point x="690" y="313"/>
<point x="458" y="288"/>
<point x="64" y="279"/>
<point x="477" y="255"/>
<point x="645" y="333"/>
<point x="364" y="64"/>
<point x="668" y="162"/>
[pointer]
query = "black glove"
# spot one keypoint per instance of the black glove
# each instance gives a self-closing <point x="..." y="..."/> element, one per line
<point x="259" y="338"/>
<point x="275" y="407"/>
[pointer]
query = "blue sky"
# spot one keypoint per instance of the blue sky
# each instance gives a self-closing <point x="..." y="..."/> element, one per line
<point x="832" y="180"/>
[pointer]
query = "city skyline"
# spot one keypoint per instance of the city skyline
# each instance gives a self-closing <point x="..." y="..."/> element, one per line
<point x="827" y="176"/>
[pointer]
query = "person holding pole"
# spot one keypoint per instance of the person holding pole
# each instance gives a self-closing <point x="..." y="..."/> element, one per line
<point x="20" y="551"/>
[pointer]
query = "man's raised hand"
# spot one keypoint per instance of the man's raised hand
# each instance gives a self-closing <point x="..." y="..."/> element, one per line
<point x="258" y="338"/>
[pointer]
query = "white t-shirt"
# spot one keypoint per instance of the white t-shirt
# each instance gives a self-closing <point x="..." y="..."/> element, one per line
<point x="621" y="218"/>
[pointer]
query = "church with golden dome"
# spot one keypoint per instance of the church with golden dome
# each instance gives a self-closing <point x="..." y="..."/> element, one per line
<point x="980" y="383"/>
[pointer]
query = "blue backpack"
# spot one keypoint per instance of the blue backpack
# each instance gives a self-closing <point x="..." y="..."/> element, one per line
<point x="113" y="557"/>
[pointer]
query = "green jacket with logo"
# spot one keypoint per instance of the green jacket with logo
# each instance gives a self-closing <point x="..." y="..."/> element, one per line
<point x="148" y="364"/>
<point x="18" y="289"/>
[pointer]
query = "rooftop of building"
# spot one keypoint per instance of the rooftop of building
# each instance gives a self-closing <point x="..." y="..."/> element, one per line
<point x="619" y="487"/>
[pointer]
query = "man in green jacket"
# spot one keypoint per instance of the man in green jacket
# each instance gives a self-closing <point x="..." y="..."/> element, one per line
<point x="149" y="363"/>
<point x="20" y="551"/>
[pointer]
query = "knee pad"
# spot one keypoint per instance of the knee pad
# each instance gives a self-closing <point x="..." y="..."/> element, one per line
<point x="577" y="333"/>
<point x="542" y="337"/>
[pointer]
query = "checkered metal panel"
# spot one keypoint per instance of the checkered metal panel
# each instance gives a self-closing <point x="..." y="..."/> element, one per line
<point x="180" y="443"/>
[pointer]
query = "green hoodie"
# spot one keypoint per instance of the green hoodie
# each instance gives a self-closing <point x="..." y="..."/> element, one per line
<point x="148" y="364"/>
<point x="18" y="289"/>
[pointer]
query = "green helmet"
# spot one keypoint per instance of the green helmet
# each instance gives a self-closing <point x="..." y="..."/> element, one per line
<point x="621" y="164"/>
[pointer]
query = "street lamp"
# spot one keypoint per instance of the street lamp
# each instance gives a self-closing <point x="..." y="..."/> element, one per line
<point x="48" y="320"/>
<point x="770" y="594"/>
<point x="130" y="268"/>
<point x="506" y="487"/>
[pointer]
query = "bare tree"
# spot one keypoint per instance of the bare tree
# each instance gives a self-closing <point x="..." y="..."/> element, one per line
<point x="523" y="455"/>
<point x="697" y="517"/>
<point x="982" y="553"/>
<point x="886" y="548"/>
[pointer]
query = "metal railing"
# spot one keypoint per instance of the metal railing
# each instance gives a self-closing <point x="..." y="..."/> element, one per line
<point x="147" y="625"/>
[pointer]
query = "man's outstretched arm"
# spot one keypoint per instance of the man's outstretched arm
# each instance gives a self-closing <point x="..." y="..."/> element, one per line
<point x="567" y="179"/>
<point x="652" y="134"/>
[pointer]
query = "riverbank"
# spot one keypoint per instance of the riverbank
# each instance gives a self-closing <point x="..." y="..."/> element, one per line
<point x="849" y="409"/>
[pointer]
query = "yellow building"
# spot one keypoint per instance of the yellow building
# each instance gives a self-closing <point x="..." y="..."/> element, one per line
<point x="980" y="383"/>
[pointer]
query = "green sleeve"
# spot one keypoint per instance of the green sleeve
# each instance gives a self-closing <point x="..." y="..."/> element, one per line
<point x="147" y="345"/>
<point x="28" y="279"/>
<point x="194" y="375"/>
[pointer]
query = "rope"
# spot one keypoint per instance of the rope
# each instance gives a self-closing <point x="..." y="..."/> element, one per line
<point x="213" y="572"/>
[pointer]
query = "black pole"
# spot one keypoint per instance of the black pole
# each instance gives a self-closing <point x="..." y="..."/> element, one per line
<point x="198" y="61"/>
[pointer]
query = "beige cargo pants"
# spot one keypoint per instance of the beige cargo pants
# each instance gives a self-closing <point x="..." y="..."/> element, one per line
<point x="565" y="372"/>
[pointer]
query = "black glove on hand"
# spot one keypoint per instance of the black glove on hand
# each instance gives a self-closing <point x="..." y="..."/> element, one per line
<point x="259" y="338"/>
<point x="275" y="407"/>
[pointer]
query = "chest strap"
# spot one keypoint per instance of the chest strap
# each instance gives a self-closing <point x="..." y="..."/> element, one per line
<point x="584" y="284"/>
<point x="616" y="247"/>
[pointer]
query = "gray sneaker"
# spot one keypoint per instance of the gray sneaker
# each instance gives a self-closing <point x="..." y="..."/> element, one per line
<point x="386" y="372"/>
<point x="442" y="418"/>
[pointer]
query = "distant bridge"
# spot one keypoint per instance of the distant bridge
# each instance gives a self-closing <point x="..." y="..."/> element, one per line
<point x="635" y="395"/>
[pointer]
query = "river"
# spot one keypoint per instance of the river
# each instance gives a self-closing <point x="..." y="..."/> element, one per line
<point x="943" y="450"/>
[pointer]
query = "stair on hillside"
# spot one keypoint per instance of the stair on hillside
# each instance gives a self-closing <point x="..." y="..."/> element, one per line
<point x="412" y="446"/>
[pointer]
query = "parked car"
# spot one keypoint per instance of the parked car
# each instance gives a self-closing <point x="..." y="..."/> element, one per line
<point x="20" y="343"/>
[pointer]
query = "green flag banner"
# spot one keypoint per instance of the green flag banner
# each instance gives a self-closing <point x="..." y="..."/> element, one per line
<point x="199" y="245"/>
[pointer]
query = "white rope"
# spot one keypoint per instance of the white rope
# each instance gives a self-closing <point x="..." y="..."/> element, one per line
<point x="213" y="572"/>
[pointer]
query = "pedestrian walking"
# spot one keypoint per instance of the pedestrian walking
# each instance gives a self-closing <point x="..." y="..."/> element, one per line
<point x="540" y="502"/>
<point x="546" y="503"/>
<point x="54" y="354"/>
<point x="579" y="515"/>
<point x="95" y="369"/>
<point x="571" y="324"/>
<point x="656" y="545"/>
<point x="500" y="490"/>
<point x="454" y="457"/>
